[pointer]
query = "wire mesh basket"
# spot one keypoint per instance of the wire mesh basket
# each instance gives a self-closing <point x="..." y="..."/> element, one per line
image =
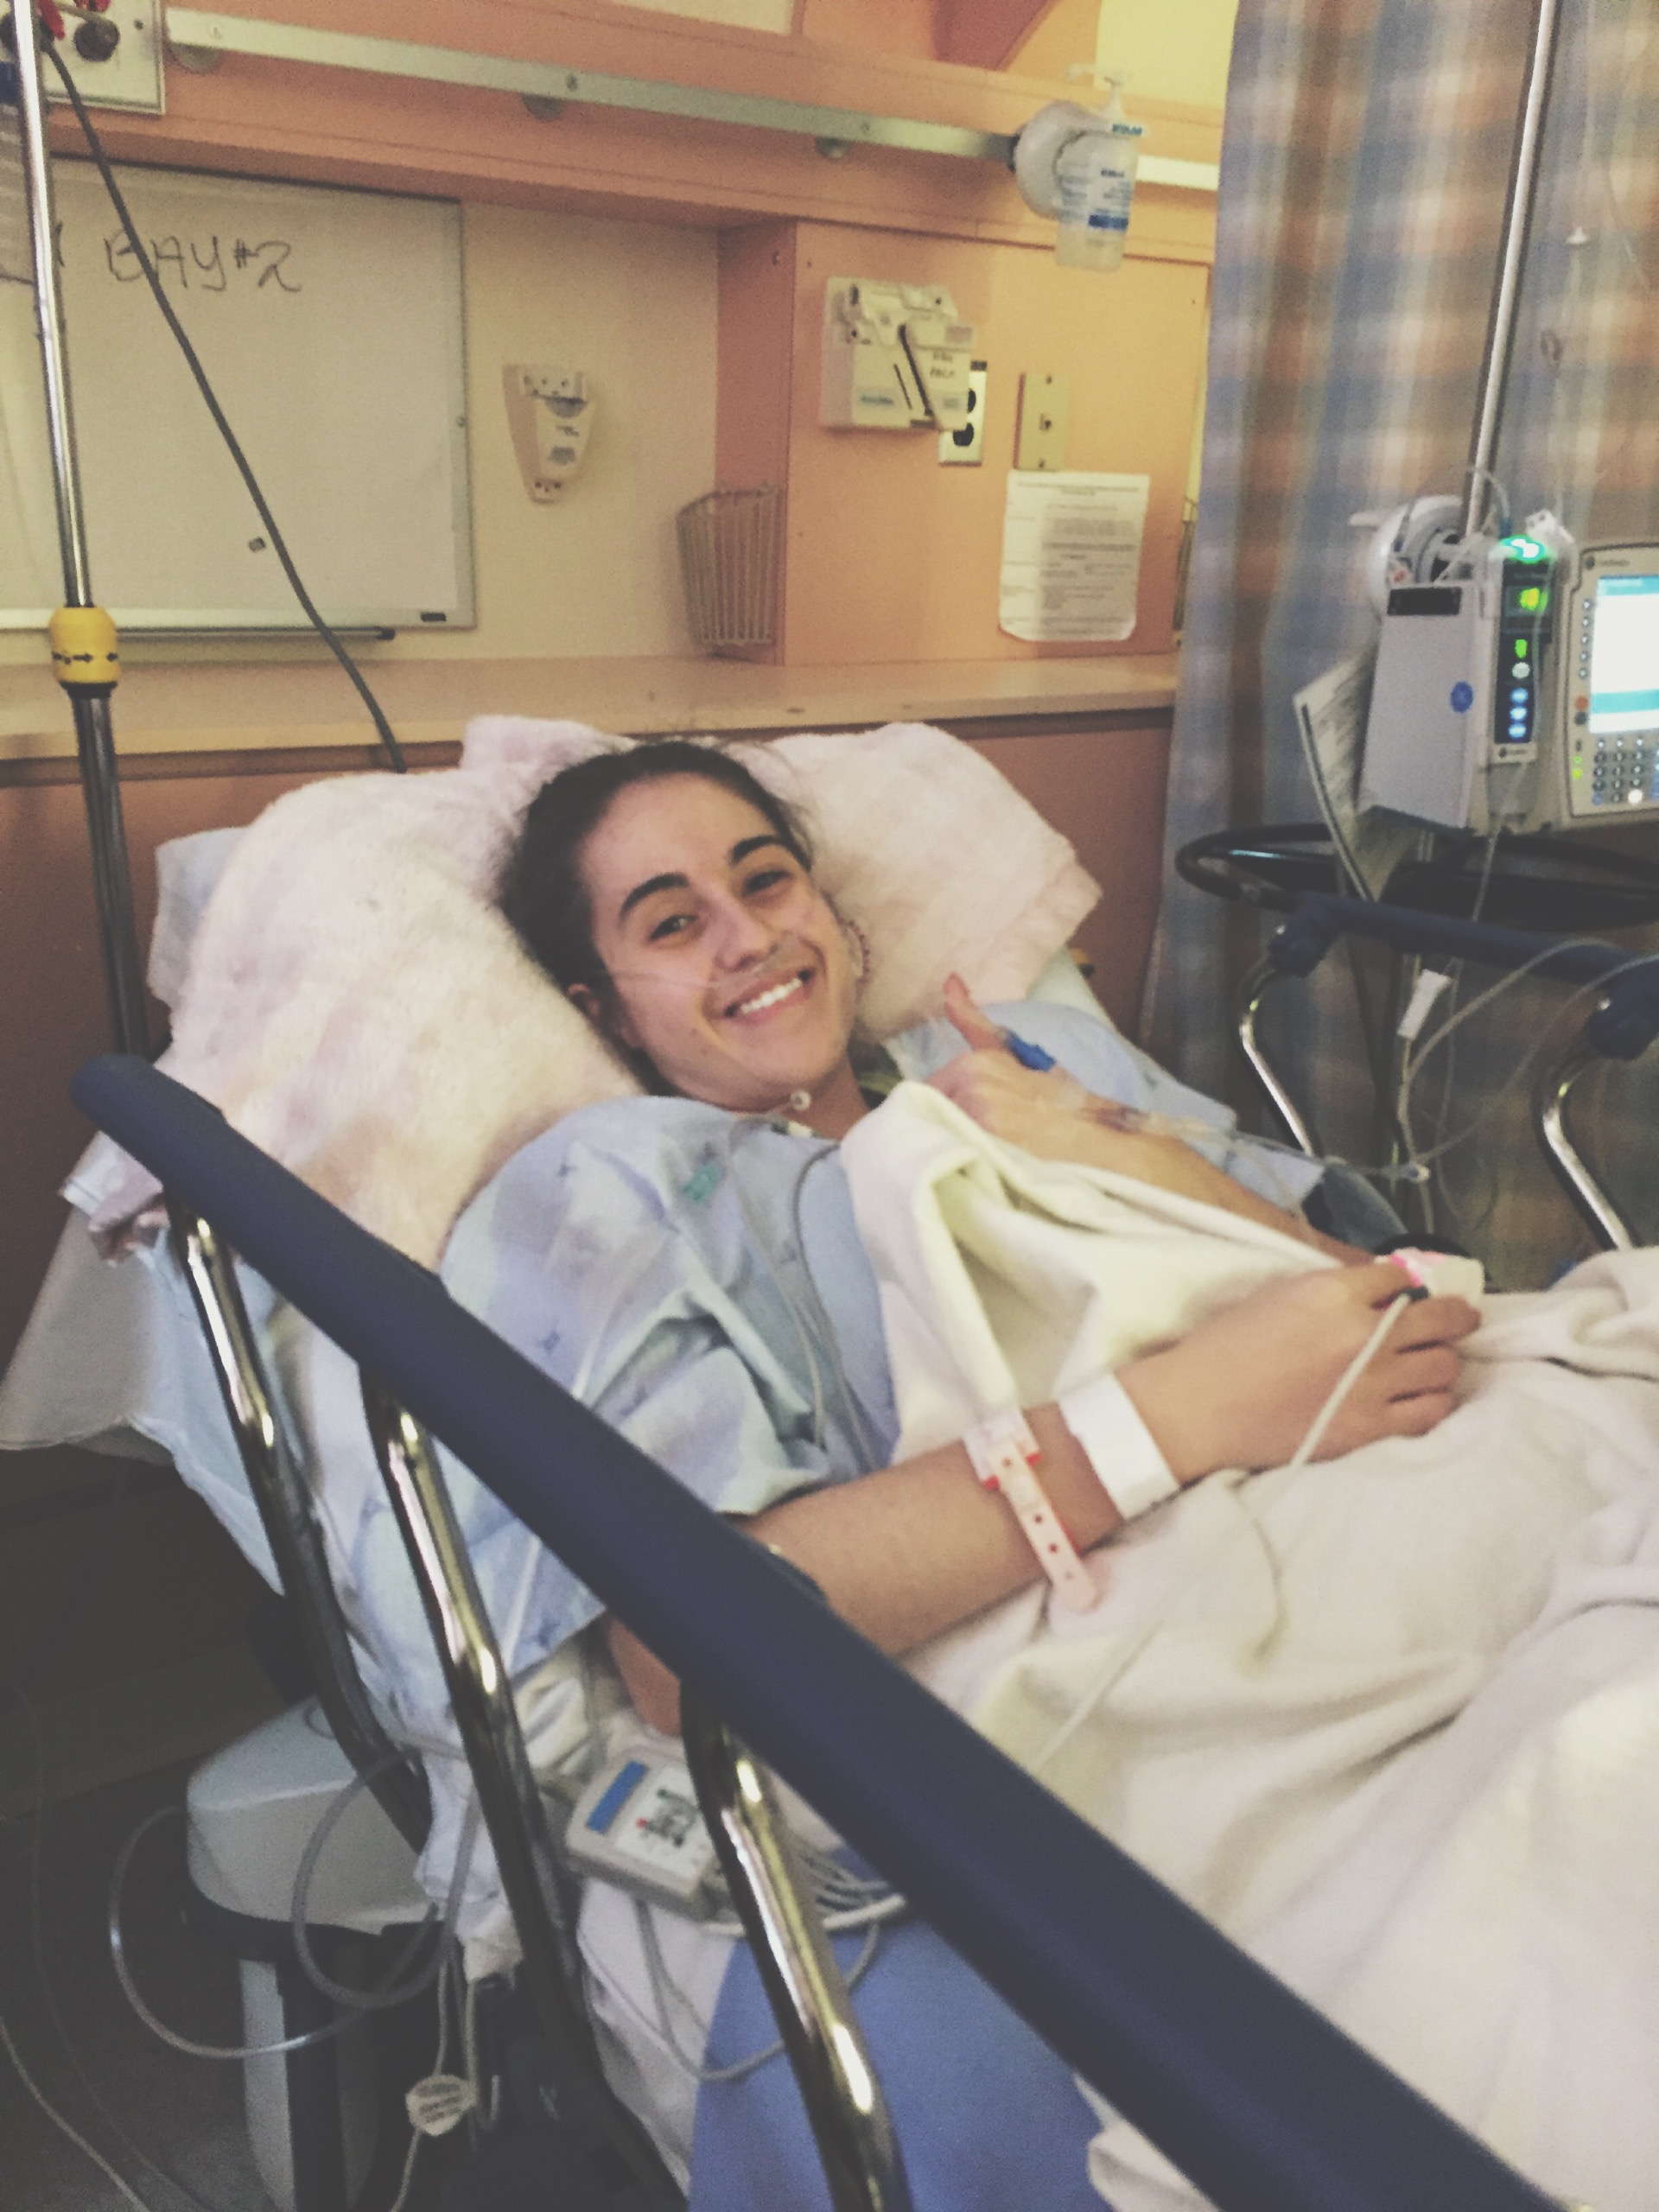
<point x="729" y="557"/>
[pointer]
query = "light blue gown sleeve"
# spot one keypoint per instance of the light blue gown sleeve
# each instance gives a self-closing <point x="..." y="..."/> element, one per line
<point x="640" y="1292"/>
<point x="1105" y="1062"/>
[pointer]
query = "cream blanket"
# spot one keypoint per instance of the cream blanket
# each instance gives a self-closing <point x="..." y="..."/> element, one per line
<point x="1393" y="1722"/>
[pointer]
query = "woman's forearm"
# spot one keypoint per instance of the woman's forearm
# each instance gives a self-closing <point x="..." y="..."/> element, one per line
<point x="1173" y="1165"/>
<point x="916" y="1548"/>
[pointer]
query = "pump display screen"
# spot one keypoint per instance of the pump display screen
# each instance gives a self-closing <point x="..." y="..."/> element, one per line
<point x="1625" y="656"/>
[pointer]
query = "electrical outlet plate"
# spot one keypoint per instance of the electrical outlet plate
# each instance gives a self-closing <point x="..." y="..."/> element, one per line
<point x="132" y="78"/>
<point x="1045" y="418"/>
<point x="965" y="448"/>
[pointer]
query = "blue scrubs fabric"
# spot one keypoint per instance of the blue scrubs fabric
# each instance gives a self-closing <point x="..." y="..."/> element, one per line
<point x="988" y="2119"/>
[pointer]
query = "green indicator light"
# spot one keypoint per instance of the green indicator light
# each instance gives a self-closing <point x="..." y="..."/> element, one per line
<point x="1531" y="598"/>
<point x="1521" y="649"/>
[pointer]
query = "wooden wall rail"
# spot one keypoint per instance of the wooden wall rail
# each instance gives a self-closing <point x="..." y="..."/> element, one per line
<point x="272" y="119"/>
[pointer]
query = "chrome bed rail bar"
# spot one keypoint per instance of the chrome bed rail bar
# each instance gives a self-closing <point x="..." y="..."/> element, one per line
<point x="290" y="1520"/>
<point x="808" y="1995"/>
<point x="821" y="2033"/>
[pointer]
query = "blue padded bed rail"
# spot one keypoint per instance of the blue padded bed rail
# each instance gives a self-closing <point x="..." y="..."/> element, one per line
<point x="1256" y="2097"/>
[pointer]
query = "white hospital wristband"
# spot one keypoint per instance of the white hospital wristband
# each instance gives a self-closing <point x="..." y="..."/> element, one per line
<point x="1118" y="1445"/>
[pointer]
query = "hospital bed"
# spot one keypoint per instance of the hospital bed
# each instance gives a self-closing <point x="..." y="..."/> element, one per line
<point x="1251" y="2092"/>
<point x="840" y="2082"/>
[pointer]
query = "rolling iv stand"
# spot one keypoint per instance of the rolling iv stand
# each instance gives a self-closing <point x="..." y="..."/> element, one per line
<point x="85" y="654"/>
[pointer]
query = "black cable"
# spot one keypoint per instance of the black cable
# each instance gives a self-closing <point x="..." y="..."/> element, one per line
<point x="376" y="714"/>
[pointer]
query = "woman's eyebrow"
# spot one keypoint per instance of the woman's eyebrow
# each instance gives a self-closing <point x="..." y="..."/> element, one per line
<point x="740" y="851"/>
<point x="645" y="890"/>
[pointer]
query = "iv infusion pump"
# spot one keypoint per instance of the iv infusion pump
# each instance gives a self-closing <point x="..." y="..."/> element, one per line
<point x="1519" y="689"/>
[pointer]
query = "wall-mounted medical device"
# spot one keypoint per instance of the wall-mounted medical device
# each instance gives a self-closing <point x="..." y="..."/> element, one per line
<point x="549" y="413"/>
<point x="1607" y="687"/>
<point x="895" y="356"/>
<point x="1460" y="698"/>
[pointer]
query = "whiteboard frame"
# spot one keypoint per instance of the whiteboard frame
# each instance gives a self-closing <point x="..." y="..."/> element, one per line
<point x="363" y="621"/>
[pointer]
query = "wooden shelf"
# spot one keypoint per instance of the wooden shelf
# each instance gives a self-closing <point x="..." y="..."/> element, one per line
<point x="280" y="707"/>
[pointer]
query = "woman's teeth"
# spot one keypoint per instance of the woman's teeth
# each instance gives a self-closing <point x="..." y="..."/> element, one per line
<point x="765" y="1000"/>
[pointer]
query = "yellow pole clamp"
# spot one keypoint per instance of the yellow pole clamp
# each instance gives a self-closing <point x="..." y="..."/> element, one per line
<point x="86" y="652"/>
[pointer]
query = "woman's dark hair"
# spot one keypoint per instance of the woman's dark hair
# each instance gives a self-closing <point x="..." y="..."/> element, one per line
<point x="543" y="894"/>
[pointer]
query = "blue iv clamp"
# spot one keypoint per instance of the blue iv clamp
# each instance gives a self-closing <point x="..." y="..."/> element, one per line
<point x="1027" y="1054"/>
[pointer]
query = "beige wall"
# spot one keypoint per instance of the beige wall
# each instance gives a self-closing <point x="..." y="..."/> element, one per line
<point x="1170" y="50"/>
<point x="596" y="574"/>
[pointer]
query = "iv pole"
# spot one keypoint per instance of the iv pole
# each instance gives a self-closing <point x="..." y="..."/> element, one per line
<point x="1506" y="289"/>
<point x="86" y="657"/>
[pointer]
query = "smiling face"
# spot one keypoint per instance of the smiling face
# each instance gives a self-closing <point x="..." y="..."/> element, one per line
<point x="729" y="969"/>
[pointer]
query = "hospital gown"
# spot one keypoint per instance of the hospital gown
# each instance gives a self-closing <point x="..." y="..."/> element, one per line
<point x="695" y="1277"/>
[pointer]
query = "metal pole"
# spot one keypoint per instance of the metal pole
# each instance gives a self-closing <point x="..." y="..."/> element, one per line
<point x="84" y="657"/>
<point x="1517" y="224"/>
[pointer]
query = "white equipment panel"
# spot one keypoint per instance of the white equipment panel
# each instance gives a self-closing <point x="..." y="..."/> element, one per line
<point x="1609" y="685"/>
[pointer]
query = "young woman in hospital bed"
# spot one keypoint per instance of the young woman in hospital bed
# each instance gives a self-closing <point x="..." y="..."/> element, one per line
<point x="1392" y="1722"/>
<point x="771" y="1287"/>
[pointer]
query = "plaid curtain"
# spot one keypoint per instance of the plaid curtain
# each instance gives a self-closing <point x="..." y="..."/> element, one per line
<point x="1363" y="167"/>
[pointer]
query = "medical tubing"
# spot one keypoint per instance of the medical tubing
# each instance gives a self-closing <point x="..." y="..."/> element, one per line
<point x="1264" y="2104"/>
<point x="389" y="1994"/>
<point x="129" y="1989"/>
<point x="355" y="2002"/>
<point x="63" y="2127"/>
<point x="1531" y="1053"/>
<point x="406" y="2181"/>
<point x="1344" y="1384"/>
<point x="221" y="422"/>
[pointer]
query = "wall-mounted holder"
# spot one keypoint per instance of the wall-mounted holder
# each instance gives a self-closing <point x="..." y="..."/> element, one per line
<point x="549" y="412"/>
<point x="728" y="558"/>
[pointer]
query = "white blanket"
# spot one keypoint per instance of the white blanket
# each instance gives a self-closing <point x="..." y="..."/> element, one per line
<point x="1393" y="1722"/>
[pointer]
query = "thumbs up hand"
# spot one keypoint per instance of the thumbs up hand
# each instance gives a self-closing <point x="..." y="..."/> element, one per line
<point x="1045" y="1111"/>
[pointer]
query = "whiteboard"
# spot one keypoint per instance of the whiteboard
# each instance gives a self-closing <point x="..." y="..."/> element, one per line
<point x="330" y="324"/>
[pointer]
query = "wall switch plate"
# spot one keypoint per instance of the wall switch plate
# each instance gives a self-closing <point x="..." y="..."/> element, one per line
<point x="131" y="78"/>
<point x="1044" y="417"/>
<point x="965" y="448"/>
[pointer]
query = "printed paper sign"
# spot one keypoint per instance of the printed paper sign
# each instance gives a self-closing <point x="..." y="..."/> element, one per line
<point x="1071" y="556"/>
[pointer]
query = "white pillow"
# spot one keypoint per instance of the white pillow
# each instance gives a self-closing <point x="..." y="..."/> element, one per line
<point x="355" y="1002"/>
